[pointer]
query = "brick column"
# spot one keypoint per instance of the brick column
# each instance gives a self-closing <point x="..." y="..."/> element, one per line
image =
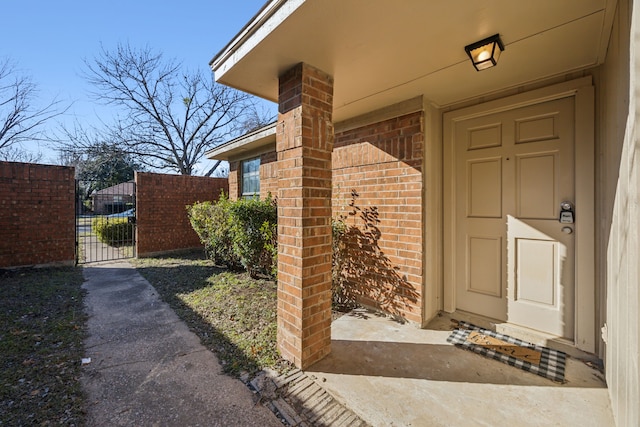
<point x="304" y="141"/>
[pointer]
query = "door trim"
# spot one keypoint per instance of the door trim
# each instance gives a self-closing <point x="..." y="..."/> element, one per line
<point x="583" y="92"/>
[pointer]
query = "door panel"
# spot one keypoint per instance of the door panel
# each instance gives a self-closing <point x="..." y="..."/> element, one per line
<point x="536" y="186"/>
<point x="512" y="262"/>
<point x="535" y="282"/>
<point x="485" y="265"/>
<point x="543" y="270"/>
<point x="485" y="136"/>
<point x="485" y="188"/>
<point x="538" y="128"/>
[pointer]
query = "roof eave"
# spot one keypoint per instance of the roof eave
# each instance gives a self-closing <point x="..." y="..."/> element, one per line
<point x="248" y="143"/>
<point x="260" y="26"/>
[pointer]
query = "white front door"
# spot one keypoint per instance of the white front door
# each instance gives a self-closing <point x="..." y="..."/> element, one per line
<point x="511" y="257"/>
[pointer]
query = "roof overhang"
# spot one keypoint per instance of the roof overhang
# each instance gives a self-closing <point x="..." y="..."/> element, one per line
<point x="246" y="145"/>
<point x="381" y="52"/>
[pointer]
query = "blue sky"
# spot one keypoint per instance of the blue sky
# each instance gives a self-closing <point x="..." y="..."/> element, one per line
<point x="50" y="39"/>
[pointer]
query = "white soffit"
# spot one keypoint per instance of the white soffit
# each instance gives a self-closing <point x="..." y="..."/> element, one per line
<point x="382" y="52"/>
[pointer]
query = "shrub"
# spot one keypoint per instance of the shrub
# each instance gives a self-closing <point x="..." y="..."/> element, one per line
<point x="238" y="233"/>
<point x="270" y="233"/>
<point x="212" y="223"/>
<point x="113" y="231"/>
<point x="254" y="231"/>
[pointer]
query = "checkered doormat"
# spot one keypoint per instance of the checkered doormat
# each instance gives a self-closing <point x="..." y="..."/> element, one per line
<point x="529" y="357"/>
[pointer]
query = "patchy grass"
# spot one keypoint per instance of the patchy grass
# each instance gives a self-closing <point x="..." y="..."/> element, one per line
<point x="233" y="314"/>
<point x="42" y="327"/>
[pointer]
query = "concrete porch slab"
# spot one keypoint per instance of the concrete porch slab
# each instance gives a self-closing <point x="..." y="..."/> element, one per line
<point x="393" y="374"/>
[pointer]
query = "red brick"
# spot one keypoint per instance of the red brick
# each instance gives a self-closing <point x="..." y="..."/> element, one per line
<point x="39" y="226"/>
<point x="304" y="140"/>
<point x="162" y="227"/>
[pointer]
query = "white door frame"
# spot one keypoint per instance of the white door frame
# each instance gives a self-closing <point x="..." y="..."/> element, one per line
<point x="583" y="92"/>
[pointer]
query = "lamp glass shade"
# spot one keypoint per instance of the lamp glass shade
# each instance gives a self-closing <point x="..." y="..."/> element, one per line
<point x="485" y="53"/>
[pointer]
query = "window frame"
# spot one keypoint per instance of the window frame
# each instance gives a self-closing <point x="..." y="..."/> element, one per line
<point x="250" y="174"/>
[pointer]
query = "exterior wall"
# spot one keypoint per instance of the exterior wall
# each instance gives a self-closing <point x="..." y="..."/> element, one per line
<point x="382" y="164"/>
<point x="104" y="204"/>
<point x="37" y="216"/>
<point x="161" y="200"/>
<point x="104" y="201"/>
<point x="619" y="214"/>
<point x="268" y="176"/>
<point x="234" y="180"/>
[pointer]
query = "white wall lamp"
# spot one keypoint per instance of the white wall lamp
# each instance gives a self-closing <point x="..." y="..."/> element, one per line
<point x="485" y="53"/>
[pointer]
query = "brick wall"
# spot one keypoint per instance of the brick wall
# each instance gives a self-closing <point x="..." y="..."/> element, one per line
<point x="268" y="176"/>
<point x="37" y="219"/>
<point x="234" y="180"/>
<point x="382" y="164"/>
<point x="161" y="200"/>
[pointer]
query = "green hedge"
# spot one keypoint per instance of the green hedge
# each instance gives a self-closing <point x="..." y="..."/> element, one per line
<point x="113" y="231"/>
<point x="238" y="233"/>
<point x="212" y="223"/>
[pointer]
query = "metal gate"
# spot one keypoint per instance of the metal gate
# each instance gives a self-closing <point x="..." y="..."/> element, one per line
<point x="105" y="221"/>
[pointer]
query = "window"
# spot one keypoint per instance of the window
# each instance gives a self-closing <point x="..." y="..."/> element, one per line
<point x="251" y="177"/>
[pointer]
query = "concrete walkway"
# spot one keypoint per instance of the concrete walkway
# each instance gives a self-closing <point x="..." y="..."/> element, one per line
<point x="147" y="368"/>
<point x="93" y="250"/>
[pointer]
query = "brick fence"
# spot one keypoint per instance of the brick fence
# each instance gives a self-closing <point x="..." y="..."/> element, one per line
<point x="37" y="219"/>
<point x="161" y="200"/>
<point x="37" y="213"/>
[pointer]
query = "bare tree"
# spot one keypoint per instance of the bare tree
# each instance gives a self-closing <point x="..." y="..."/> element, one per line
<point x="16" y="153"/>
<point x="97" y="160"/>
<point x="20" y="121"/>
<point x="170" y="118"/>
